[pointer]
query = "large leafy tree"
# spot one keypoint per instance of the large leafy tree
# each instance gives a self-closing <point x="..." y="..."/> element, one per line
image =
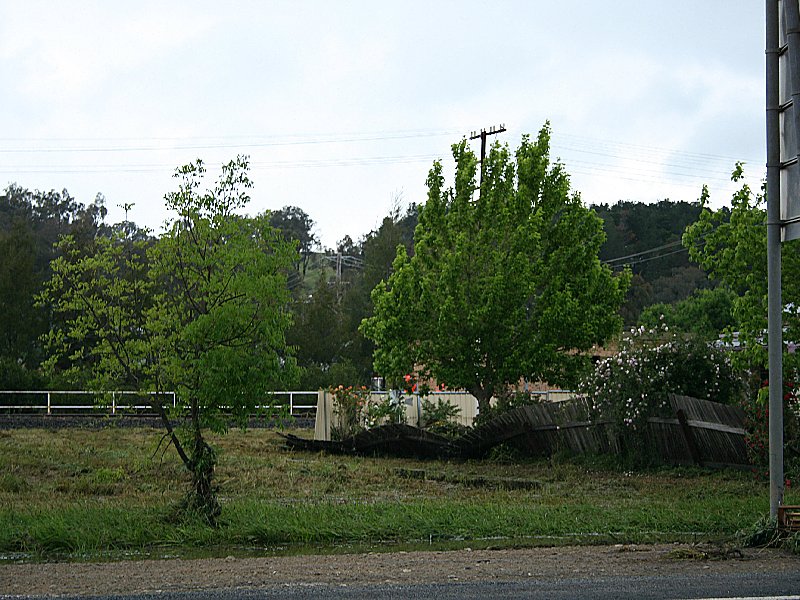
<point x="330" y="347"/>
<point x="505" y="281"/>
<point x="295" y="224"/>
<point x="30" y="223"/>
<point x="731" y="245"/>
<point x="203" y="311"/>
<point x="706" y="313"/>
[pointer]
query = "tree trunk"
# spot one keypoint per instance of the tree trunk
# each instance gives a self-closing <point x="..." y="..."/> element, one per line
<point x="202" y="497"/>
<point x="483" y="396"/>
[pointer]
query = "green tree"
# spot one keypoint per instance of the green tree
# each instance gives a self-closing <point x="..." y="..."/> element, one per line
<point x="30" y="223"/>
<point x="295" y="224"/>
<point x="504" y="283"/>
<point x="706" y="313"/>
<point x="731" y="245"/>
<point x="203" y="311"/>
<point x="330" y="347"/>
<point x="646" y="238"/>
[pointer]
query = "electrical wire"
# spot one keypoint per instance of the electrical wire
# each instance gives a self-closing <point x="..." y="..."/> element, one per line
<point x="644" y="260"/>
<point x="643" y="163"/>
<point x="266" y="141"/>
<point x="643" y="252"/>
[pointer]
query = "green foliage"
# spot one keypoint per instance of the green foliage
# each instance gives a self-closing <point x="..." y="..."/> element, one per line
<point x="356" y="410"/>
<point x="731" y="245"/>
<point x="756" y="408"/>
<point x="297" y="227"/>
<point x="202" y="311"/>
<point x="635" y="384"/>
<point x="504" y="281"/>
<point x="706" y="313"/>
<point x="317" y="377"/>
<point x="441" y="417"/>
<point x="387" y="410"/>
<point x="644" y="237"/>
<point x="101" y="294"/>
<point x="15" y="375"/>
<point x="330" y="348"/>
<point x="222" y="304"/>
<point x="30" y="223"/>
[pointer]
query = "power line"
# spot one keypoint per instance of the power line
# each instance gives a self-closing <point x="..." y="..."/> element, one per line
<point x="577" y="143"/>
<point x="267" y="141"/>
<point x="286" y="164"/>
<point x="644" y="260"/>
<point x="643" y="252"/>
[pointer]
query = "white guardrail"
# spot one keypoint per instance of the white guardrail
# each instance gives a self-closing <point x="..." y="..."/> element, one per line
<point x="51" y="401"/>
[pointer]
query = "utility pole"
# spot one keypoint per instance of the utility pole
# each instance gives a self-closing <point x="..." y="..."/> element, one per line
<point x="783" y="203"/>
<point x="483" y="133"/>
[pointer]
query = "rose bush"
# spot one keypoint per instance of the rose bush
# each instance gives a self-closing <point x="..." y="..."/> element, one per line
<point x="356" y="410"/>
<point x="634" y="385"/>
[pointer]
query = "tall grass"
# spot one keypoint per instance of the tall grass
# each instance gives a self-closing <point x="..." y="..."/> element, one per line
<point x="79" y="492"/>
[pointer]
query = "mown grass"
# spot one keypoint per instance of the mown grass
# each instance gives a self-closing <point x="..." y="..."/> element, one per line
<point x="84" y="492"/>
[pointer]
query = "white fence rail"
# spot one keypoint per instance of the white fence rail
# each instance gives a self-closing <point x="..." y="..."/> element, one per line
<point x="54" y="401"/>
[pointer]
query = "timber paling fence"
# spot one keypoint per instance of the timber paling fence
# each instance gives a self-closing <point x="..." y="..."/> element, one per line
<point x="702" y="433"/>
<point x="698" y="432"/>
<point x="71" y="402"/>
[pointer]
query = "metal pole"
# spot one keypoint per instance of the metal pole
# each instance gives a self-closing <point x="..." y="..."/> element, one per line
<point x="774" y="303"/>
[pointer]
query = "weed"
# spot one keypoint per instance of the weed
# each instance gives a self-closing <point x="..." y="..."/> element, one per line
<point x="764" y="533"/>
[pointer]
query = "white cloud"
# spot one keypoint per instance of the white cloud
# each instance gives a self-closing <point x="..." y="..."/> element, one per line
<point x="72" y="49"/>
<point x="619" y="82"/>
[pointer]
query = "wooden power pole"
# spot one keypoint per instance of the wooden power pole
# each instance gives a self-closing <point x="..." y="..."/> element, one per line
<point x="483" y="133"/>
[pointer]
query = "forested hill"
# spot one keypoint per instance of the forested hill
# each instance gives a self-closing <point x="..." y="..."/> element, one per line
<point x="647" y="238"/>
<point x="330" y="302"/>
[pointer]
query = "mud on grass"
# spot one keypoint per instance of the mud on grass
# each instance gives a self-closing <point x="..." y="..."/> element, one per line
<point x="82" y="492"/>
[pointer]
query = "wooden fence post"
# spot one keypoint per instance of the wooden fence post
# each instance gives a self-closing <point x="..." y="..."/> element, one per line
<point x="689" y="437"/>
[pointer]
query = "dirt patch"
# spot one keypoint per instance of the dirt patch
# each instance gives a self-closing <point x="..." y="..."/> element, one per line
<point x="173" y="575"/>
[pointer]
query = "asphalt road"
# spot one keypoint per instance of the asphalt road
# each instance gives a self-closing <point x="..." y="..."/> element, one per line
<point x="740" y="586"/>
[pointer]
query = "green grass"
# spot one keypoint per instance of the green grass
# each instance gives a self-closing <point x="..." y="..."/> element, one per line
<point x="83" y="493"/>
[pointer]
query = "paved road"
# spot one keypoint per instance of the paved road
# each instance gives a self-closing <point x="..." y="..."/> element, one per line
<point x="740" y="586"/>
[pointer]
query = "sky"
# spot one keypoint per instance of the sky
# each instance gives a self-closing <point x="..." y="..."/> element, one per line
<point x="342" y="106"/>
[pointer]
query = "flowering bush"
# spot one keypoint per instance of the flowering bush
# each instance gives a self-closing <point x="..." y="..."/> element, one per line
<point x="635" y="384"/>
<point x="356" y="410"/>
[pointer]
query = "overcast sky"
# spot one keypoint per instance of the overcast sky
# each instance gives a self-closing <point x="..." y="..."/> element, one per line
<point x="343" y="105"/>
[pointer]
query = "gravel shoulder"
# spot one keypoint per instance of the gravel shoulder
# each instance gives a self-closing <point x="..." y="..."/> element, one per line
<point x="175" y="575"/>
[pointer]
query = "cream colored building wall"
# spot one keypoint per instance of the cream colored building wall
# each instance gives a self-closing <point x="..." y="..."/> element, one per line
<point x="467" y="404"/>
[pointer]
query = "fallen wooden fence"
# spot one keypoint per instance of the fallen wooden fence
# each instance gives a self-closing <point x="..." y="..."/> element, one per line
<point x="701" y="432"/>
<point x="698" y="432"/>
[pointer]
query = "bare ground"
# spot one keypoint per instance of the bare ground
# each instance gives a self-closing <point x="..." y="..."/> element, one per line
<point x="54" y="579"/>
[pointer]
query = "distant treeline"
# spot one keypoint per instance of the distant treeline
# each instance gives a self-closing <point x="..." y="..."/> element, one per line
<point x="330" y="286"/>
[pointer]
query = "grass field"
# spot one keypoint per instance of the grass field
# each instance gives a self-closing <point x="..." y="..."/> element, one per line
<point x="89" y="493"/>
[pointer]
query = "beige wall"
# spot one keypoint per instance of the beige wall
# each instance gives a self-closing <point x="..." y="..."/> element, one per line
<point x="467" y="404"/>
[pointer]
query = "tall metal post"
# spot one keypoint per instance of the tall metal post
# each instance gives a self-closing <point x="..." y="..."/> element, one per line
<point x="774" y="303"/>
